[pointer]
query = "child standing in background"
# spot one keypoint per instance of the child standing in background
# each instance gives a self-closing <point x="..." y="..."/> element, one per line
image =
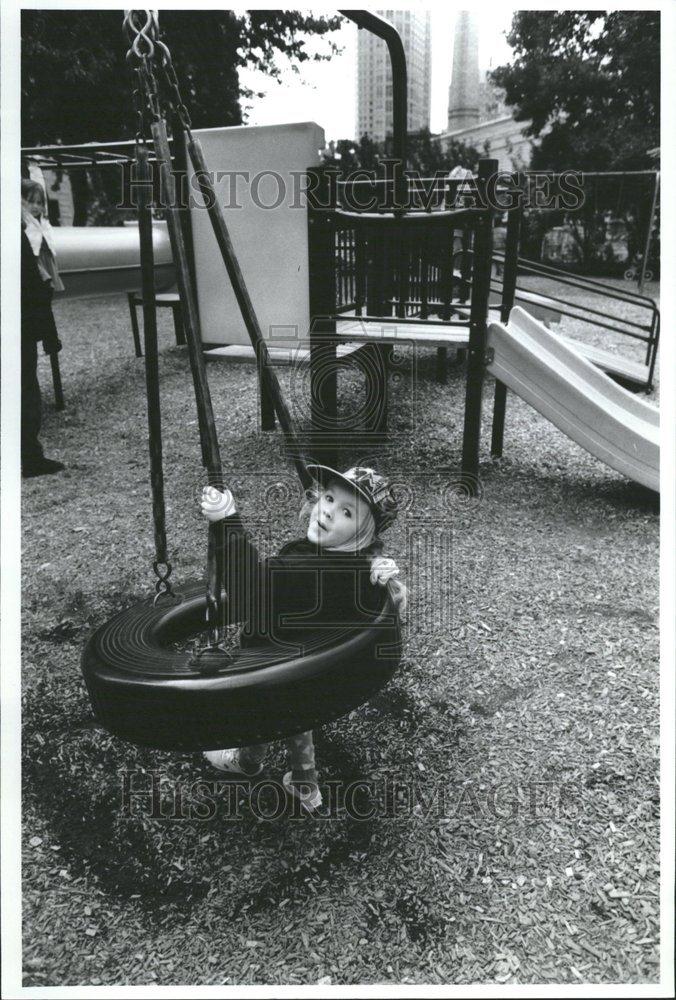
<point x="39" y="280"/>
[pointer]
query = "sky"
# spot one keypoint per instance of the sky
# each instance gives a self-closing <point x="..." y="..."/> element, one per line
<point x="326" y="92"/>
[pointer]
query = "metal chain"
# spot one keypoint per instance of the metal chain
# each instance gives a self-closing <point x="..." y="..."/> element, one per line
<point x="150" y="89"/>
<point x="163" y="587"/>
<point x="152" y="55"/>
<point x="175" y="99"/>
<point x="139" y="109"/>
<point x="142" y="29"/>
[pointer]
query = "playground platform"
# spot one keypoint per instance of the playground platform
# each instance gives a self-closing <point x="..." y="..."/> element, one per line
<point x="432" y="334"/>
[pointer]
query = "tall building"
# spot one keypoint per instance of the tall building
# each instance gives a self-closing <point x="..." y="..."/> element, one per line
<point x="374" y="79"/>
<point x="463" y="94"/>
<point x="477" y="114"/>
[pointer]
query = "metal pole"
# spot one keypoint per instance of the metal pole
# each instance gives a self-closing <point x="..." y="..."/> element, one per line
<point x="383" y="29"/>
<point x="478" y="329"/>
<point x="145" y="225"/>
<point x="509" y="279"/>
<point x="649" y="234"/>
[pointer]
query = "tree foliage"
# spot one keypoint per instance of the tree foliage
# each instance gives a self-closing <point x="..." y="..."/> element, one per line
<point x="76" y="85"/>
<point x="589" y="82"/>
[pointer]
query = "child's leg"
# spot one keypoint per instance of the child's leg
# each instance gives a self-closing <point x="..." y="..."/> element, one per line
<point x="302" y="756"/>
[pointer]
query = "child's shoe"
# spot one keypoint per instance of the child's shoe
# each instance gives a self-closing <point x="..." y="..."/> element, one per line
<point x="306" y="792"/>
<point x="228" y="760"/>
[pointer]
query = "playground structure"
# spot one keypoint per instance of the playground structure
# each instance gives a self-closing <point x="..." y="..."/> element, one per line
<point x="428" y="279"/>
<point x="357" y="282"/>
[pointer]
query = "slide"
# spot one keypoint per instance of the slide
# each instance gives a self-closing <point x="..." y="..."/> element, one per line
<point x="603" y="418"/>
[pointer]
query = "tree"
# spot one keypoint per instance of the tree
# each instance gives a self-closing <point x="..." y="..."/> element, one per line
<point x="426" y="155"/>
<point x="589" y="82"/>
<point x="76" y="85"/>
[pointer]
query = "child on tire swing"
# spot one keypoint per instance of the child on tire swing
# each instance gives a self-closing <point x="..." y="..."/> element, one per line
<point x="331" y="578"/>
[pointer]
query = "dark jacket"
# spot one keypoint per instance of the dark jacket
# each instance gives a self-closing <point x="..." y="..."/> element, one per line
<point x="299" y="598"/>
<point x="37" y="318"/>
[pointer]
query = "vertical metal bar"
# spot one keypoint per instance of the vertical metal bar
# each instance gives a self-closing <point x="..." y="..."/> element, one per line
<point x="498" y="429"/>
<point x="446" y="273"/>
<point x="465" y="264"/>
<point x="374" y="272"/>
<point x="145" y="225"/>
<point x="402" y="270"/>
<point x="383" y="29"/>
<point x="338" y="265"/>
<point x="509" y="280"/>
<point x="424" y="279"/>
<point x="360" y="256"/>
<point x="511" y="266"/>
<point x="478" y="327"/>
<point x="648" y="238"/>
<point x="655" y="332"/>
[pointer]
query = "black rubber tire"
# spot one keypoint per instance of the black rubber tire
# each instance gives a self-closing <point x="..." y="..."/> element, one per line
<point x="145" y="692"/>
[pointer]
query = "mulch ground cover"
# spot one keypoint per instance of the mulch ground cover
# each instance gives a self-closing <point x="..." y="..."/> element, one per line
<point x="508" y="774"/>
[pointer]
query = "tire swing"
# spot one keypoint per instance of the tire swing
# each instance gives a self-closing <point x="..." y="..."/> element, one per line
<point x="142" y="687"/>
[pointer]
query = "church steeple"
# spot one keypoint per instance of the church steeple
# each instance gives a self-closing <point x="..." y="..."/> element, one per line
<point x="463" y="93"/>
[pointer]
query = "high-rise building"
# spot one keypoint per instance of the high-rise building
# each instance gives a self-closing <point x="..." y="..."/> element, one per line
<point x="374" y="75"/>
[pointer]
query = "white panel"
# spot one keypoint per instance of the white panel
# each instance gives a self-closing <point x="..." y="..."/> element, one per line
<point x="271" y="243"/>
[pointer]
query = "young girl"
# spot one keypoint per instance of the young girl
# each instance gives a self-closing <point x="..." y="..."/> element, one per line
<point x="39" y="280"/>
<point x="333" y="578"/>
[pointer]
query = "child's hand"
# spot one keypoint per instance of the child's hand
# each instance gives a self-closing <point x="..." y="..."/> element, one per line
<point x="216" y="505"/>
<point x="383" y="569"/>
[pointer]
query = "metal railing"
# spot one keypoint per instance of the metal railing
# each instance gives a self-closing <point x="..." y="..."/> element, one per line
<point x="406" y="271"/>
<point x="646" y="331"/>
<point x="427" y="273"/>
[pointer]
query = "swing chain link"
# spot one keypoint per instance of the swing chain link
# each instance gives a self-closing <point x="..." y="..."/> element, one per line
<point x="139" y="109"/>
<point x="142" y="29"/>
<point x="151" y="90"/>
<point x="163" y="587"/>
<point x="175" y="99"/>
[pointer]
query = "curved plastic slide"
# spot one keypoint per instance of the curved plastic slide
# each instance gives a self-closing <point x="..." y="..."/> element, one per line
<point x="603" y="418"/>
